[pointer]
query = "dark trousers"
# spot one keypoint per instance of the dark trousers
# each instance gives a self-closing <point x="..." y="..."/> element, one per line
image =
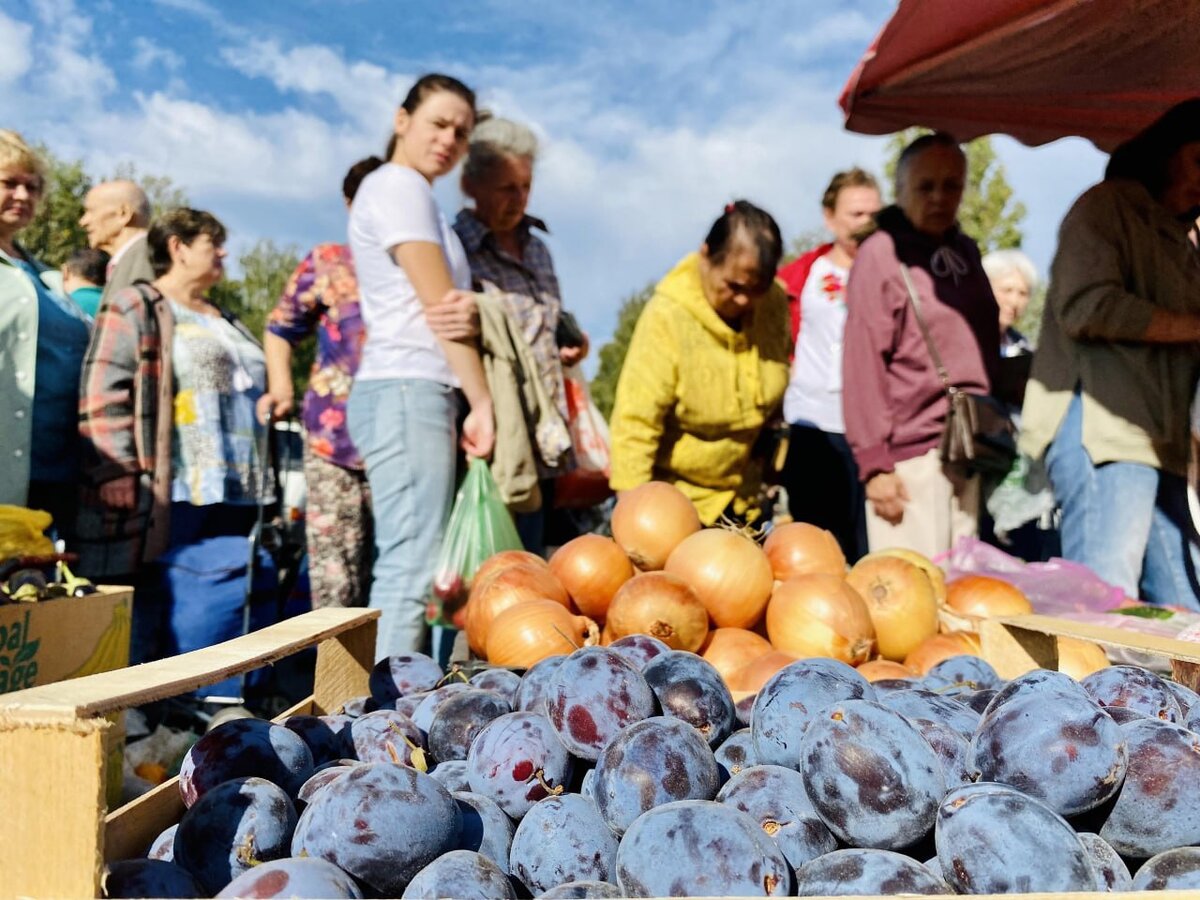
<point x="821" y="479"/>
<point x="61" y="500"/>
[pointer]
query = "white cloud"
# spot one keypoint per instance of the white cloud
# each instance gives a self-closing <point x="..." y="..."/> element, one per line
<point x="15" y="55"/>
<point x="69" y="72"/>
<point x="147" y="54"/>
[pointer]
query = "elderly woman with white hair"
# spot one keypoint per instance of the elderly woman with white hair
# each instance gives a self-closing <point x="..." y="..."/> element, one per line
<point x="1013" y="279"/>
<point x="511" y="262"/>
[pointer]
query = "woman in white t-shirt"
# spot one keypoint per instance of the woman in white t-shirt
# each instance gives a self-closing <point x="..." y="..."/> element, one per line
<point x="819" y="473"/>
<point x="420" y="359"/>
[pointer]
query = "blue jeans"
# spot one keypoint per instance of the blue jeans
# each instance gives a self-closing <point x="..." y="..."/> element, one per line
<point x="406" y="431"/>
<point x="1127" y="522"/>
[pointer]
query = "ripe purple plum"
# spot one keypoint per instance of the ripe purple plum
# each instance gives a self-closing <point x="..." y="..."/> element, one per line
<point x="241" y="748"/>
<point x="1112" y="875"/>
<point x="1036" y="681"/>
<point x="149" y="878"/>
<point x="690" y="688"/>
<point x="926" y="706"/>
<point x="952" y="750"/>
<point x="453" y="774"/>
<point x="735" y="754"/>
<point x="562" y="839"/>
<point x="503" y="681"/>
<point x="461" y="874"/>
<point x="639" y="649"/>
<point x="293" y="876"/>
<point x="326" y="740"/>
<point x="388" y="736"/>
<point x="517" y="760"/>
<point x="698" y="848"/>
<point x="1171" y="870"/>
<point x="870" y="775"/>
<point x="1135" y="688"/>
<point x="969" y="673"/>
<point x="596" y="693"/>
<point x="163" y="846"/>
<point x="583" y="890"/>
<point x="431" y="700"/>
<point x="775" y="798"/>
<point x="402" y="674"/>
<point x="652" y="762"/>
<point x="381" y="823"/>
<point x="992" y="839"/>
<point x="853" y="872"/>
<point x="460" y="718"/>
<point x="792" y="698"/>
<point x="319" y="779"/>
<point x="485" y="828"/>
<point x="535" y="685"/>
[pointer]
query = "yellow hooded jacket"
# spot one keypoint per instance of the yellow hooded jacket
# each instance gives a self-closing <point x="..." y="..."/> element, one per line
<point x="694" y="394"/>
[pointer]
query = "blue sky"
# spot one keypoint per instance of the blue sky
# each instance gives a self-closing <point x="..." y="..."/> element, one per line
<point x="652" y="115"/>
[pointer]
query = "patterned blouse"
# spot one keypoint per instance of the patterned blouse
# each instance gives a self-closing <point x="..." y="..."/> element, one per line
<point x="321" y="297"/>
<point x="528" y="288"/>
<point x="220" y="373"/>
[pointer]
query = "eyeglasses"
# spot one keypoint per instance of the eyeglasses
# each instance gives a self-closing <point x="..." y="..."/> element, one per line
<point x="33" y="186"/>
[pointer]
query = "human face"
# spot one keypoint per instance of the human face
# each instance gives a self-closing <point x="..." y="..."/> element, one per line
<point x="20" y="191"/>
<point x="932" y="188"/>
<point x="852" y="210"/>
<point x="502" y="193"/>
<point x="1182" y="196"/>
<point x="434" y="138"/>
<point x="104" y="217"/>
<point x="202" y="261"/>
<point x="1012" y="296"/>
<point x="732" y="285"/>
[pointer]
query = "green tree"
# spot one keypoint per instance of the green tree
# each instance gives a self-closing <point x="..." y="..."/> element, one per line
<point x="988" y="213"/>
<point x="162" y="193"/>
<point x="55" y="231"/>
<point x="612" y="354"/>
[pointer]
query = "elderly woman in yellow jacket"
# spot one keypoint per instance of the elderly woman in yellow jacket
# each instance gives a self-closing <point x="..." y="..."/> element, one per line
<point x="706" y="370"/>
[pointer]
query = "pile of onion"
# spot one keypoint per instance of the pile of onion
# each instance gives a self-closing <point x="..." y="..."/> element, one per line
<point x="820" y="615"/>
<point x="986" y="597"/>
<point x="754" y="675"/>
<point x="900" y="600"/>
<point x="650" y="520"/>
<point x="943" y="646"/>
<point x="729" y="573"/>
<point x="531" y="631"/>
<point x="592" y="568"/>
<point x="662" y="606"/>
<point x="504" y="587"/>
<point x="732" y="649"/>
<point x="799" y="548"/>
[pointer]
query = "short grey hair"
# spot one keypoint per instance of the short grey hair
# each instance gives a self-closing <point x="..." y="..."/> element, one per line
<point x="495" y="139"/>
<point x="999" y="263"/>
<point x="919" y="146"/>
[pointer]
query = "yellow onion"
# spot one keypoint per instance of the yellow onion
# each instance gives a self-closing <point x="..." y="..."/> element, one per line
<point x="729" y="573"/>
<point x="752" y="676"/>
<point x="985" y="597"/>
<point x="507" y="587"/>
<point x="820" y="615"/>
<point x="731" y="649"/>
<point x="900" y="600"/>
<point x="529" y="632"/>
<point x="880" y="669"/>
<point x="936" y="576"/>
<point x="650" y="520"/>
<point x="1080" y="659"/>
<point x="661" y="605"/>
<point x="798" y="548"/>
<point x="592" y="568"/>
<point x="933" y="650"/>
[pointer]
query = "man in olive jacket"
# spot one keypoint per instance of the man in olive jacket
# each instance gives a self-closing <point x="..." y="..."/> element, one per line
<point x="116" y="217"/>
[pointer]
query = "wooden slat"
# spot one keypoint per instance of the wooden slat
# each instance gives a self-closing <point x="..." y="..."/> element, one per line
<point x="344" y="664"/>
<point x="1168" y="648"/>
<point x="108" y="692"/>
<point x="129" y="830"/>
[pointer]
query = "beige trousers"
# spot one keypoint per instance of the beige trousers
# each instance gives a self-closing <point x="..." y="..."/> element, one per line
<point x="943" y="506"/>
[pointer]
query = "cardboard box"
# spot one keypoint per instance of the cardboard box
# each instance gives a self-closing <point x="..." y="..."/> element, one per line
<point x="53" y="640"/>
<point x="55" y="741"/>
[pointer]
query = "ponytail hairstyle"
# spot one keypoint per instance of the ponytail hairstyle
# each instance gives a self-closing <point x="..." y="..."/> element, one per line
<point x="356" y="174"/>
<point x="426" y="86"/>
<point x="758" y="226"/>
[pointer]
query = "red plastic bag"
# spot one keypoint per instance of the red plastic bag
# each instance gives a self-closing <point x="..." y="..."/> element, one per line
<point x="586" y="484"/>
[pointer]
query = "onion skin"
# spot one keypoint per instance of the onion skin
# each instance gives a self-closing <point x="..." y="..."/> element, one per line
<point x="503" y="560"/>
<point x="751" y="677"/>
<point x="529" y="632"/>
<point x="661" y="605"/>
<point x="900" y="600"/>
<point x="820" y="615"/>
<point x="592" y="568"/>
<point x="986" y="597"/>
<point x="936" y="576"/>
<point x="729" y="573"/>
<point x="943" y="646"/>
<point x="1080" y="659"/>
<point x="507" y="587"/>
<point x="650" y="520"/>
<point x="883" y="669"/>
<point x="729" y="650"/>
<point x="798" y="548"/>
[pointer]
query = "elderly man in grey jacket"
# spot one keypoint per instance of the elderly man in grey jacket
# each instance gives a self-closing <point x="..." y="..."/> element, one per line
<point x="116" y="217"/>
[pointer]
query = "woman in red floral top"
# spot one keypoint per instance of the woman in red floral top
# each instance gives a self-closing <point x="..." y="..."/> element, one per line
<point x="321" y="298"/>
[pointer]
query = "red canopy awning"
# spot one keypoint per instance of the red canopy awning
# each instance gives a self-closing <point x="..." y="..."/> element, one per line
<point x="1038" y="70"/>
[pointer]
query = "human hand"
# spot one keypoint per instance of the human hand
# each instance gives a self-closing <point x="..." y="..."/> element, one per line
<point x="120" y="493"/>
<point x="571" y="356"/>
<point x="276" y="405"/>
<point x="887" y="495"/>
<point x="479" y="431"/>
<point x="455" y="318"/>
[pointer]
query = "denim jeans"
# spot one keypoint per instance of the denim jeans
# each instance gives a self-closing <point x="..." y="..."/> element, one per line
<point x="1128" y="522"/>
<point x="406" y="431"/>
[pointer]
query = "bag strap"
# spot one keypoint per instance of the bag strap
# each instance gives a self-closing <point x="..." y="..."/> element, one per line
<point x="914" y="300"/>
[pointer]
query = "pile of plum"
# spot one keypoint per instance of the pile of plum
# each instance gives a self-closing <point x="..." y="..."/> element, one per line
<point x="627" y="771"/>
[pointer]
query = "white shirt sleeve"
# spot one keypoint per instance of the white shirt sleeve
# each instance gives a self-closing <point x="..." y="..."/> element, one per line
<point x="400" y="207"/>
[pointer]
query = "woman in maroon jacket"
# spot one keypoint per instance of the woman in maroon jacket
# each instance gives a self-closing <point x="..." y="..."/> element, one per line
<point x="894" y="403"/>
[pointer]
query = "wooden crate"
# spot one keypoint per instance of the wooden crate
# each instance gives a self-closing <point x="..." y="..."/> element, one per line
<point x="53" y="738"/>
